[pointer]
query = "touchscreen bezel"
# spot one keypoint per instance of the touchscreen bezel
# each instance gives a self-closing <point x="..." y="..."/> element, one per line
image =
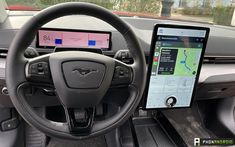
<point x="73" y="30"/>
<point x="151" y="54"/>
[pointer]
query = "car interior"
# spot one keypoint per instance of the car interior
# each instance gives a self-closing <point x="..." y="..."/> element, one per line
<point x="76" y="74"/>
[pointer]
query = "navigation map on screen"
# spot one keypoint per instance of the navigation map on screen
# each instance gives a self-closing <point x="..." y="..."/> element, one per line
<point x="176" y="59"/>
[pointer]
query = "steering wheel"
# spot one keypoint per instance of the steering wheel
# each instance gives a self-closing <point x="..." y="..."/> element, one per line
<point x="80" y="79"/>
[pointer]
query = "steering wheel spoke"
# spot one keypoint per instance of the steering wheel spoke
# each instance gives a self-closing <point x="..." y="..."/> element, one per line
<point x="37" y="70"/>
<point x="123" y="74"/>
<point x="80" y="120"/>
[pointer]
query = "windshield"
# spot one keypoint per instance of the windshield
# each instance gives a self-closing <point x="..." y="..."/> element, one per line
<point x="219" y="12"/>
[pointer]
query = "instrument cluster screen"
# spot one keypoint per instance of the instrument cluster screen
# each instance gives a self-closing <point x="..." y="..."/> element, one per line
<point x="51" y="38"/>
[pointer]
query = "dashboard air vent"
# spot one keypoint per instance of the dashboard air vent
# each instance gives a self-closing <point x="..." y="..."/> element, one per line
<point x="219" y="60"/>
<point x="3" y="52"/>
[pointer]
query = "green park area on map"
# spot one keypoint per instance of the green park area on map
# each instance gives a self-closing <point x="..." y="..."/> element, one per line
<point x="187" y="61"/>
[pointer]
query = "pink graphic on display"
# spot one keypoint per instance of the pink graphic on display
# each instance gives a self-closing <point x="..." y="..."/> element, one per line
<point x="73" y="39"/>
<point x="47" y="38"/>
<point x="102" y="40"/>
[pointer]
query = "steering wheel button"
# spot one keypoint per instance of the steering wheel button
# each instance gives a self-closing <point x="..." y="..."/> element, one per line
<point x="121" y="72"/>
<point x="39" y="64"/>
<point x="34" y="71"/>
<point x="45" y="66"/>
<point x="40" y="72"/>
<point x="46" y="72"/>
<point x="33" y="66"/>
<point x="40" y="68"/>
<point x="124" y="55"/>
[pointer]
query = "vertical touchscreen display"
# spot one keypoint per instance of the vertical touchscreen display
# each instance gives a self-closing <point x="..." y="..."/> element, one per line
<point x="175" y="65"/>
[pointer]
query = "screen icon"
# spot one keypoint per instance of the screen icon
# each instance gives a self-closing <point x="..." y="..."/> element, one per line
<point x="58" y="41"/>
<point x="171" y="101"/>
<point x="196" y="142"/>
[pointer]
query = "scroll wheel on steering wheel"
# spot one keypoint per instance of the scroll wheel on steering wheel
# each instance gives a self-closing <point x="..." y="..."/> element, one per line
<point x="31" y="52"/>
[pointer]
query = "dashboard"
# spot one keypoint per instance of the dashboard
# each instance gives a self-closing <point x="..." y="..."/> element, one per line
<point x="217" y="74"/>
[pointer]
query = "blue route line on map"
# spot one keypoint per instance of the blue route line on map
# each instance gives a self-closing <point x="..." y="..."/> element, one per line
<point x="186" y="60"/>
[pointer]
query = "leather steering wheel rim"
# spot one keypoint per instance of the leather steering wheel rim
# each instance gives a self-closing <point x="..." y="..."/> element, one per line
<point x="16" y="62"/>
